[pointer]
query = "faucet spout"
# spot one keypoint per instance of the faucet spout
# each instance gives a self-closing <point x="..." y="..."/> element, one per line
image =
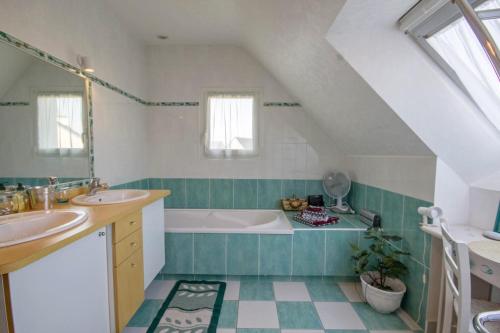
<point x="95" y="185"/>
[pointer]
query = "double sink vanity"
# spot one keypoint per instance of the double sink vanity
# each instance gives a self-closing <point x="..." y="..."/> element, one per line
<point x="82" y="266"/>
<point x="78" y="267"/>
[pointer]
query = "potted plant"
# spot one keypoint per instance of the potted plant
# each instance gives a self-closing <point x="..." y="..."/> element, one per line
<point x="380" y="270"/>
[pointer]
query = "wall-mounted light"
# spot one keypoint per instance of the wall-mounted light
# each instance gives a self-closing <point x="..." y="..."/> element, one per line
<point x="84" y="63"/>
<point x="433" y="213"/>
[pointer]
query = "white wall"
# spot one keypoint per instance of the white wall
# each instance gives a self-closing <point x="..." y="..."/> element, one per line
<point x="483" y="207"/>
<point x="292" y="144"/>
<point x="452" y="194"/>
<point x="18" y="125"/>
<point x="68" y="28"/>
<point x="409" y="175"/>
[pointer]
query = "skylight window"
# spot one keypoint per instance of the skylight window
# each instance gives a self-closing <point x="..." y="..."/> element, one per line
<point x="231" y="125"/>
<point x="450" y="40"/>
<point x="60" y="124"/>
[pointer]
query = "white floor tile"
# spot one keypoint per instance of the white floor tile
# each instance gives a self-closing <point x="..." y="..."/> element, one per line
<point x="135" y="330"/>
<point x="257" y="314"/>
<point x="232" y="291"/>
<point x="352" y="290"/>
<point x="291" y="291"/>
<point x="159" y="289"/>
<point x="226" y="330"/>
<point x="338" y="315"/>
<point x="302" y="331"/>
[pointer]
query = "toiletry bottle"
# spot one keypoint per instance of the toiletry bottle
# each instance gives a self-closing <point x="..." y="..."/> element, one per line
<point x="20" y="199"/>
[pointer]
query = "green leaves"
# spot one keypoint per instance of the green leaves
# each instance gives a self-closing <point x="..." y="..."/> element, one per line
<point x="381" y="257"/>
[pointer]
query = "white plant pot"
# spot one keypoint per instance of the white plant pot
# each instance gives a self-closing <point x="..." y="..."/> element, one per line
<point x="383" y="301"/>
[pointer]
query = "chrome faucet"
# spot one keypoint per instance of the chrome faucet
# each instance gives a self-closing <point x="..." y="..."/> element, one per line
<point x="95" y="185"/>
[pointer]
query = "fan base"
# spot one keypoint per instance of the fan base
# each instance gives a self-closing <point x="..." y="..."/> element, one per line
<point x="342" y="210"/>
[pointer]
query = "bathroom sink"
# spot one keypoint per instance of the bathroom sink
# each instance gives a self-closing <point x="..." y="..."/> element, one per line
<point x="110" y="197"/>
<point x="25" y="227"/>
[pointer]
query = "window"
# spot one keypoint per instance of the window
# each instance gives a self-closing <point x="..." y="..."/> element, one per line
<point x="231" y="126"/>
<point x="60" y="123"/>
<point x="450" y="40"/>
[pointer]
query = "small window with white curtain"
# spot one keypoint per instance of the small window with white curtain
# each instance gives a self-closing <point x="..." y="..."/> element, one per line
<point x="231" y="125"/>
<point x="61" y="124"/>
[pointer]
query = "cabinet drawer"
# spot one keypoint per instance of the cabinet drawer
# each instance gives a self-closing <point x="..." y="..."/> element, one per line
<point x="126" y="226"/>
<point x="129" y="288"/>
<point x="124" y="248"/>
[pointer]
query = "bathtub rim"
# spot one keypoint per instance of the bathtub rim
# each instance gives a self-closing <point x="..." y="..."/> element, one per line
<point x="255" y="231"/>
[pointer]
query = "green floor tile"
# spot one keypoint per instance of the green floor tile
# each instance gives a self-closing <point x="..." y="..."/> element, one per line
<point x="209" y="277"/>
<point x="228" y="315"/>
<point x="325" y="290"/>
<point x="378" y="321"/>
<point x="146" y="313"/>
<point x="257" y="330"/>
<point x="295" y="315"/>
<point x="345" y="331"/>
<point x="177" y="277"/>
<point x="253" y="290"/>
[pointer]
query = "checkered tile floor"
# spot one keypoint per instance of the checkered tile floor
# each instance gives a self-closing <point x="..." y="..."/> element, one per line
<point x="282" y="304"/>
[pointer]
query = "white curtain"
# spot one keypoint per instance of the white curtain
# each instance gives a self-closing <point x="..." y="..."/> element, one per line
<point x="60" y="123"/>
<point x="230" y="123"/>
<point x="459" y="47"/>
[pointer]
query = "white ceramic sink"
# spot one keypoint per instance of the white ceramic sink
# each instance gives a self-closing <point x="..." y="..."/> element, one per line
<point x="110" y="197"/>
<point x="25" y="227"/>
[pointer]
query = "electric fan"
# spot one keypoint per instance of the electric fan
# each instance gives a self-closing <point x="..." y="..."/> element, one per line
<point x="337" y="186"/>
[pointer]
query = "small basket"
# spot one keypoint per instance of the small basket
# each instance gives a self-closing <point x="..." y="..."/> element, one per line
<point x="286" y="204"/>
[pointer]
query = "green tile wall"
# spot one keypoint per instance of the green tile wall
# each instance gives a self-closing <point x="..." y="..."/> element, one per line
<point x="399" y="216"/>
<point x="245" y="194"/>
<point x="305" y="253"/>
<point x="34" y="181"/>
<point x="228" y="193"/>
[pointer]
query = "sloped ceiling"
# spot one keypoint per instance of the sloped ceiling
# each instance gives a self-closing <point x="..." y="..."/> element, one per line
<point x="14" y="63"/>
<point x="288" y="38"/>
<point x="417" y="89"/>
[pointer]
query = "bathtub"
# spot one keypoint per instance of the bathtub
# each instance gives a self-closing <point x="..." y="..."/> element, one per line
<point x="227" y="221"/>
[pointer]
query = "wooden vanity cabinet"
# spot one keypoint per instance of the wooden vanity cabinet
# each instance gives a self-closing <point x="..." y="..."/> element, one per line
<point x="128" y="268"/>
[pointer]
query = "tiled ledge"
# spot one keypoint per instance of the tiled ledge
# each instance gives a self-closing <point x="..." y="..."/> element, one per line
<point x="346" y="222"/>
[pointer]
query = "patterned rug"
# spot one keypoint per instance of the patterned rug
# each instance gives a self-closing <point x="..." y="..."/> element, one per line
<point x="191" y="306"/>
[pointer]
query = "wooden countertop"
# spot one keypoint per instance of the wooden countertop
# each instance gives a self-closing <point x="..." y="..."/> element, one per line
<point x="17" y="256"/>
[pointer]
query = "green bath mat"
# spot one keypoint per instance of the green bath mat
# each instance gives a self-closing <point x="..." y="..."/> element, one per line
<point x="191" y="306"/>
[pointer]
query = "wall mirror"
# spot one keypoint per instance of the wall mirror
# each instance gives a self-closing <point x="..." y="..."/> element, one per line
<point x="44" y="127"/>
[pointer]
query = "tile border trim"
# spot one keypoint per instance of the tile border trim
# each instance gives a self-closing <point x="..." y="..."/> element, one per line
<point x="282" y="104"/>
<point x="14" y="103"/>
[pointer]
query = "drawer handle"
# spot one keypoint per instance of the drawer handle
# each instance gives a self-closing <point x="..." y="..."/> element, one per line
<point x="132" y="265"/>
<point x="133" y="244"/>
<point x="132" y="222"/>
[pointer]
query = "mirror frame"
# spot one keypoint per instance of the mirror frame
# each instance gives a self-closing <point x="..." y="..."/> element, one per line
<point x="87" y="82"/>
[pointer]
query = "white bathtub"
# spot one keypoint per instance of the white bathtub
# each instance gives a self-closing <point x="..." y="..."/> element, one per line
<point x="227" y="221"/>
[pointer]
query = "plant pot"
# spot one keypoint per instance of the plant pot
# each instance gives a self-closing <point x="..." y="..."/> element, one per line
<point x="383" y="301"/>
